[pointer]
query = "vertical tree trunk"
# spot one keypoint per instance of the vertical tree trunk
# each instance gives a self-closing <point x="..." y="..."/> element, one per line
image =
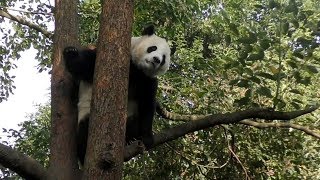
<point x="63" y="161"/>
<point x="104" y="158"/>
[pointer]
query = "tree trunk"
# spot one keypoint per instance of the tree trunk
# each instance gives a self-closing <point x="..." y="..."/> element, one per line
<point x="63" y="160"/>
<point x="104" y="158"/>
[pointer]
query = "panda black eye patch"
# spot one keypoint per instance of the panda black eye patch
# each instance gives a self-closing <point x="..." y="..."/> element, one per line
<point x="151" y="49"/>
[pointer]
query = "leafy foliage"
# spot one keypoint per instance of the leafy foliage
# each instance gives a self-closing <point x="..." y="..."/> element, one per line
<point x="226" y="56"/>
<point x="17" y="38"/>
<point x="32" y="138"/>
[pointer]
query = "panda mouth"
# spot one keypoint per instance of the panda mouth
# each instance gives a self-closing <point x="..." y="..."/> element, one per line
<point x="154" y="65"/>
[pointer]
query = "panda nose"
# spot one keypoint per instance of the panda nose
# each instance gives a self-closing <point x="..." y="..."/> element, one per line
<point x="156" y="60"/>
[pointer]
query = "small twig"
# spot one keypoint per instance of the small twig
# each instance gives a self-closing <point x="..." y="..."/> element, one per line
<point x="234" y="154"/>
<point x="25" y="12"/>
<point x="280" y="125"/>
<point x="27" y="23"/>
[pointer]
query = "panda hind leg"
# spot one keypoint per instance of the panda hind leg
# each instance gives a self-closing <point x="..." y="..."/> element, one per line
<point x="82" y="138"/>
<point x="148" y="140"/>
<point x="134" y="132"/>
<point x="145" y="132"/>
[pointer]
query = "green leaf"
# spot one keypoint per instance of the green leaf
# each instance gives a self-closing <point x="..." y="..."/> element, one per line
<point x="264" y="91"/>
<point x="295" y="91"/>
<point x="295" y="105"/>
<point x="255" y="56"/>
<point x="297" y="101"/>
<point x="293" y="64"/>
<point x="255" y="79"/>
<point x="242" y="101"/>
<point x="248" y="93"/>
<point x="234" y="28"/>
<point x="233" y="82"/>
<point x="242" y="54"/>
<point x="247" y="40"/>
<point x="266" y="75"/>
<point x="298" y="55"/>
<point x="295" y="23"/>
<point x="265" y="44"/>
<point x="312" y="69"/>
<point x="243" y="83"/>
<point x="273" y="4"/>
<point x="284" y="27"/>
<point x="280" y="104"/>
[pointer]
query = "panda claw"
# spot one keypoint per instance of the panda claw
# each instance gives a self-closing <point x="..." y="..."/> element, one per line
<point x="70" y="52"/>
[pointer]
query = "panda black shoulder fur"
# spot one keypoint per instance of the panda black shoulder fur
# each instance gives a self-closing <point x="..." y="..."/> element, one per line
<point x="150" y="57"/>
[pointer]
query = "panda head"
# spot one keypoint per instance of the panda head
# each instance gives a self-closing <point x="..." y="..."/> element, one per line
<point x="150" y="53"/>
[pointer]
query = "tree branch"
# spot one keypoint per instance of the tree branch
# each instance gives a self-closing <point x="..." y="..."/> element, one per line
<point x="261" y="125"/>
<point x="228" y="118"/>
<point x="174" y="116"/>
<point x="205" y="121"/>
<point x="27" y="12"/>
<point x="23" y="165"/>
<point x="27" y="23"/>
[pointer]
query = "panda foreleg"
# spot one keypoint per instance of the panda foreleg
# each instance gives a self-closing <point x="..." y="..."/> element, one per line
<point x="80" y="63"/>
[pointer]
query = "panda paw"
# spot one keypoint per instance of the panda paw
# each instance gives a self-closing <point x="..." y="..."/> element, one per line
<point x="148" y="141"/>
<point x="70" y="52"/>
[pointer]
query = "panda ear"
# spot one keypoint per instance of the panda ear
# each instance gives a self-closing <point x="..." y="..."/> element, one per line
<point x="149" y="30"/>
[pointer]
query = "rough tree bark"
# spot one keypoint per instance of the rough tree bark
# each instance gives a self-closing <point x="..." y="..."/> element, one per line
<point x="104" y="157"/>
<point x="63" y="161"/>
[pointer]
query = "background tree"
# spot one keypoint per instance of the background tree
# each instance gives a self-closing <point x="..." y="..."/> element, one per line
<point x="227" y="57"/>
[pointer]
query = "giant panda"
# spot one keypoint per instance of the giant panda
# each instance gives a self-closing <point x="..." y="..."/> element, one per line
<point x="150" y="57"/>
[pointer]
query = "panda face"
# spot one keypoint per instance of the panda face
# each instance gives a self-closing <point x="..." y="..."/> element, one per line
<point x="151" y="54"/>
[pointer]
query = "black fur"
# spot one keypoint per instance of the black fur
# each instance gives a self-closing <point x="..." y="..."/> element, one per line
<point x="82" y="138"/>
<point x="142" y="89"/>
<point x="80" y="63"/>
<point x="149" y="30"/>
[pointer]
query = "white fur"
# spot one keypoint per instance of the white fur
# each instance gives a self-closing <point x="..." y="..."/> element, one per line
<point x="85" y="92"/>
<point x="144" y="60"/>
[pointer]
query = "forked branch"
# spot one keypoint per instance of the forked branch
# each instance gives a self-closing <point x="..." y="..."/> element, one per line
<point x="195" y="123"/>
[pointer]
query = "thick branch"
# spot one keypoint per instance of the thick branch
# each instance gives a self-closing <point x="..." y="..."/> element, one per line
<point x="203" y="122"/>
<point x="133" y="149"/>
<point x="269" y="115"/>
<point x="25" y="22"/>
<point x="228" y="118"/>
<point x="280" y="125"/>
<point x="23" y="165"/>
<point x="174" y="116"/>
